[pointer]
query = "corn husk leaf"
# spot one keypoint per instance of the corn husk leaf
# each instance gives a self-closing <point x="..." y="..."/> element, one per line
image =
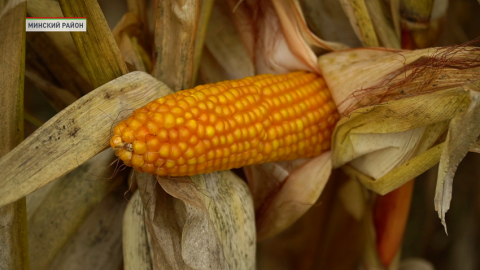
<point x="367" y="77"/>
<point x="70" y="200"/>
<point x="175" y="19"/>
<point x="97" y="244"/>
<point x="462" y="133"/>
<point x="57" y="51"/>
<point x="400" y="175"/>
<point x="357" y="12"/>
<point x="205" y="222"/>
<point x="285" y="198"/>
<point x="74" y="135"/>
<point x="13" y="227"/>
<point x="273" y="47"/>
<point x="370" y="136"/>
<point x="136" y="250"/>
<point x="100" y="54"/>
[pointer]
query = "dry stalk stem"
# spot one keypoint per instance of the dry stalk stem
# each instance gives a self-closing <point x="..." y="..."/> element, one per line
<point x="13" y="225"/>
<point x="175" y="18"/>
<point x="97" y="47"/>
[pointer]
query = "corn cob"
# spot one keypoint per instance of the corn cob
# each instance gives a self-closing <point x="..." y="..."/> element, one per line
<point x="229" y="124"/>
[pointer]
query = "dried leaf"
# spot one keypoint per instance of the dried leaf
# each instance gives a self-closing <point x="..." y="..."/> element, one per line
<point x="74" y="135"/>
<point x="395" y="117"/>
<point x="462" y="133"/>
<point x="97" y="245"/>
<point x="13" y="227"/>
<point x="401" y="174"/>
<point x="273" y="47"/>
<point x="59" y="98"/>
<point x="136" y="250"/>
<point x="56" y="217"/>
<point x="124" y="34"/>
<point x="139" y="8"/>
<point x="100" y="54"/>
<point x="357" y="12"/>
<point x="203" y="25"/>
<point x="366" y="77"/>
<point x="383" y="27"/>
<point x="242" y="13"/>
<point x="225" y="45"/>
<point x="207" y="224"/>
<point x="291" y="197"/>
<point x="179" y="19"/>
<point x="328" y="20"/>
<point x="57" y="50"/>
<point x="294" y="25"/>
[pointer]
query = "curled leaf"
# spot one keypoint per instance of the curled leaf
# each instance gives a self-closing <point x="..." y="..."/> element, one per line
<point x="294" y="193"/>
<point x="386" y="136"/>
<point x="462" y="133"/>
<point x="74" y="135"/>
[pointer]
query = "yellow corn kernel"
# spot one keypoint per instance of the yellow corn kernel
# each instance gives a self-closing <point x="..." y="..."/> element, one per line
<point x="220" y="126"/>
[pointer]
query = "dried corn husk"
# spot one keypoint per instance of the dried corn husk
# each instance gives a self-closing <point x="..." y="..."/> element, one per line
<point x="391" y="142"/>
<point x="289" y="192"/>
<point x="463" y="131"/>
<point x="205" y="222"/>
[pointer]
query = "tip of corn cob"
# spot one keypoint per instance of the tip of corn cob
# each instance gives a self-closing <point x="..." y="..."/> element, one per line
<point x="229" y="124"/>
